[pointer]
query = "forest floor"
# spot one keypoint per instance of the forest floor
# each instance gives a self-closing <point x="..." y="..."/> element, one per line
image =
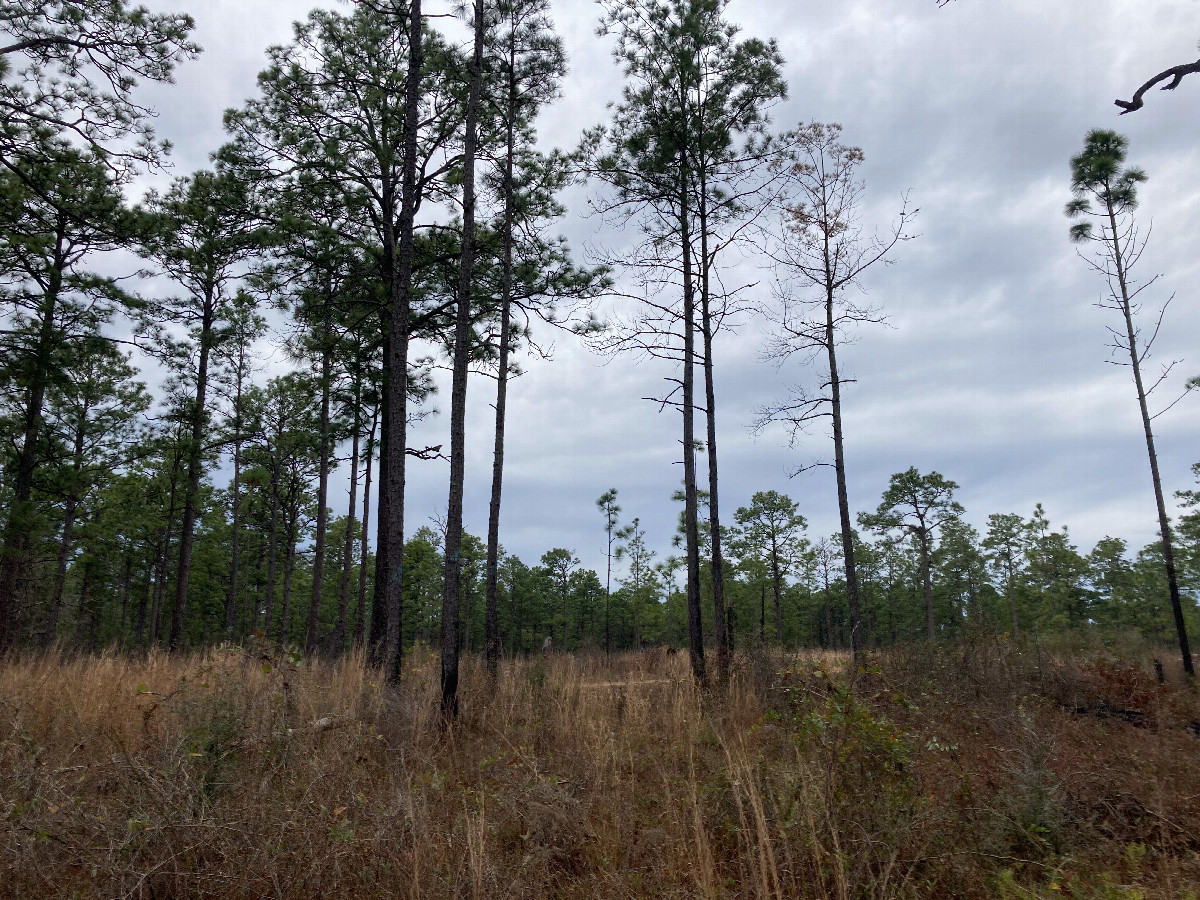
<point x="981" y="769"/>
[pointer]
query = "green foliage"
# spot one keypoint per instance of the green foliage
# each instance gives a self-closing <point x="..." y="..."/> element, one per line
<point x="69" y="68"/>
<point x="1097" y="174"/>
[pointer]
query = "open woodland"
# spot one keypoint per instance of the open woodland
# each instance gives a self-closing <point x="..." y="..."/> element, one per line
<point x="224" y="675"/>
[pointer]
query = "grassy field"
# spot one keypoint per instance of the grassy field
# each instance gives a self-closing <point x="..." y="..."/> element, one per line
<point x="979" y="770"/>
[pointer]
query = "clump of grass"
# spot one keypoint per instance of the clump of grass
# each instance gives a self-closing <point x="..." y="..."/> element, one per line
<point x="973" y="771"/>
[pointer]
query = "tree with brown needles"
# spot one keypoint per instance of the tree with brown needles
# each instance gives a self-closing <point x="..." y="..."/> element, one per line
<point x="819" y="253"/>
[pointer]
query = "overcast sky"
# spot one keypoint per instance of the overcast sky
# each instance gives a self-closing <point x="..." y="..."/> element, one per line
<point x="993" y="369"/>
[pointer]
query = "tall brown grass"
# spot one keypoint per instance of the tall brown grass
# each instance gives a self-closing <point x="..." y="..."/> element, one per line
<point x="973" y="771"/>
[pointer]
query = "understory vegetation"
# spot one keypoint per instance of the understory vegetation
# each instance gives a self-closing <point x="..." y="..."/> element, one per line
<point x="990" y="768"/>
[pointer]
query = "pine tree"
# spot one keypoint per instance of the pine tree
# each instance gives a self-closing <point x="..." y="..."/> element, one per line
<point x="1099" y="176"/>
<point x="206" y="233"/>
<point x="61" y="209"/>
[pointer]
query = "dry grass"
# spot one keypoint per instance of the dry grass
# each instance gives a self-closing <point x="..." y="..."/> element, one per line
<point x="979" y="771"/>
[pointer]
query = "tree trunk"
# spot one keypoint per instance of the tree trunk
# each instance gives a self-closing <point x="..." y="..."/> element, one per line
<point x="762" y="611"/>
<point x="608" y="597"/>
<point x="160" y="575"/>
<point x="458" y="392"/>
<point x="60" y="572"/>
<point x="126" y="584"/>
<point x="830" y="639"/>
<point x="360" y="627"/>
<point x="380" y="596"/>
<point x="259" y="594"/>
<point x="318" y="584"/>
<point x="160" y="582"/>
<point x="635" y="602"/>
<point x="690" y="518"/>
<point x="492" y="624"/>
<point x="566" y="612"/>
<point x="1012" y="599"/>
<point x="889" y="600"/>
<point x="15" y="551"/>
<point x="777" y="588"/>
<point x="85" y="587"/>
<point x="139" y="627"/>
<point x="1164" y="523"/>
<point x="839" y="464"/>
<point x="191" y="495"/>
<point x="512" y="618"/>
<point x="236" y="503"/>
<point x="337" y="643"/>
<point x="466" y="617"/>
<point x="397" y="416"/>
<point x="289" y="569"/>
<point x="272" y="550"/>
<point x="927" y="585"/>
<point x="710" y="403"/>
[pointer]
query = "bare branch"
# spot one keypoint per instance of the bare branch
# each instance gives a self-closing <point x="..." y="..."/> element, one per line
<point x="1175" y="73"/>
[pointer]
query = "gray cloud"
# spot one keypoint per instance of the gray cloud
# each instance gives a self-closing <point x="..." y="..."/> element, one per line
<point x="993" y="370"/>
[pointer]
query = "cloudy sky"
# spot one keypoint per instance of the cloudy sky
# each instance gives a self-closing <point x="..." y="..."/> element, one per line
<point x="993" y="369"/>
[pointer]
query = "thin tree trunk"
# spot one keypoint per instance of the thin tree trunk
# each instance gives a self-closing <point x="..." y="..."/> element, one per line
<point x="60" y="571"/>
<point x="360" y="627"/>
<point x="126" y="582"/>
<point x="160" y="576"/>
<point x="458" y="392"/>
<point x="1164" y="523"/>
<point x="777" y="589"/>
<point x="64" y="544"/>
<point x="401" y="288"/>
<point x="236" y="503"/>
<point x="608" y="597"/>
<point x="492" y="624"/>
<point x="927" y="585"/>
<point x="830" y="640"/>
<point x="15" y="551"/>
<point x="191" y="495"/>
<point x="272" y="549"/>
<point x="710" y="402"/>
<point x="512" y="617"/>
<point x="566" y="612"/>
<point x="762" y="611"/>
<point x="139" y="628"/>
<point x="376" y="644"/>
<point x="635" y="602"/>
<point x="466" y="617"/>
<point x="839" y="464"/>
<point x="318" y="583"/>
<point x="1012" y="599"/>
<point x="160" y="583"/>
<point x="889" y="600"/>
<point x="289" y="569"/>
<point x="260" y="594"/>
<point x="84" y="588"/>
<point x="337" y="642"/>
<point x="690" y="523"/>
